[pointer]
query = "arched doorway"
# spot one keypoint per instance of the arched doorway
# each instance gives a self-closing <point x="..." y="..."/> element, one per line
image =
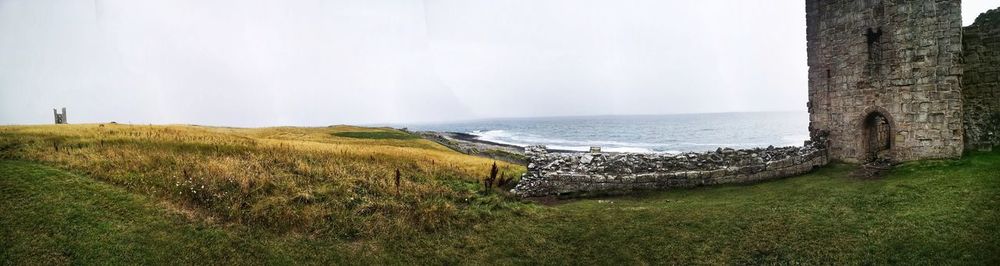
<point x="877" y="136"/>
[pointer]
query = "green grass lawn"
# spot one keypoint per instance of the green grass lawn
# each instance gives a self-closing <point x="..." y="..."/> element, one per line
<point x="932" y="212"/>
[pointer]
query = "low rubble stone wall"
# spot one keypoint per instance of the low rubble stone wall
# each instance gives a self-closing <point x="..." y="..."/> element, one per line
<point x="552" y="173"/>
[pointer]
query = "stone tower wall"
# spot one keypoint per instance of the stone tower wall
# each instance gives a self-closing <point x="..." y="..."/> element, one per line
<point x="59" y="118"/>
<point x="981" y="81"/>
<point x="911" y="75"/>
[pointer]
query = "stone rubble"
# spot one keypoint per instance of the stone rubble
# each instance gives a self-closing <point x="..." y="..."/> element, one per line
<point x="552" y="173"/>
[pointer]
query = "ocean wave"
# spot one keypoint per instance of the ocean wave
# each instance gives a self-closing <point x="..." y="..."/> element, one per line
<point x="794" y="140"/>
<point x="609" y="149"/>
<point x="520" y="139"/>
<point x="504" y="137"/>
<point x="525" y="139"/>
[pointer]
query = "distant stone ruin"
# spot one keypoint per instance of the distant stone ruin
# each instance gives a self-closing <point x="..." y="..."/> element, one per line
<point x="615" y="173"/>
<point x="60" y="118"/>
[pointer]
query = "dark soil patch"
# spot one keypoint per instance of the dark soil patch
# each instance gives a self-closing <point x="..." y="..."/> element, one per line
<point x="873" y="170"/>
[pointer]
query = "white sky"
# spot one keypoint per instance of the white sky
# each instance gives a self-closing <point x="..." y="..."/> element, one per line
<point x="264" y="63"/>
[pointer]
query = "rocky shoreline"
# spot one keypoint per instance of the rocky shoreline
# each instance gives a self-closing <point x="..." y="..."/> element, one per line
<point x="471" y="144"/>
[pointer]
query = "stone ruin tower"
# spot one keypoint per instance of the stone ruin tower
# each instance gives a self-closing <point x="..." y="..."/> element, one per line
<point x="885" y="78"/>
<point x="981" y="81"/>
<point x="60" y="118"/>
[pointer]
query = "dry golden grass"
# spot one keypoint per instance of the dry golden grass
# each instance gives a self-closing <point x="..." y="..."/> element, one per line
<point x="288" y="179"/>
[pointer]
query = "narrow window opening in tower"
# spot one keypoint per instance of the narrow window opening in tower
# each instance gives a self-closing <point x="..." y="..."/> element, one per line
<point x="873" y="38"/>
<point x="878" y="9"/>
<point x="828" y="81"/>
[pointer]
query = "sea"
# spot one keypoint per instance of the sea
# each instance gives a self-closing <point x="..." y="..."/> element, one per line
<point x="673" y="133"/>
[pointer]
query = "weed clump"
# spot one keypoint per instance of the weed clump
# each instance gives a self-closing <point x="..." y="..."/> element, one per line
<point x="489" y="180"/>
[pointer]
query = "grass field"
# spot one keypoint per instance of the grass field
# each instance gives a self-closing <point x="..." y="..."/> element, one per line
<point x="67" y="207"/>
<point x="303" y="180"/>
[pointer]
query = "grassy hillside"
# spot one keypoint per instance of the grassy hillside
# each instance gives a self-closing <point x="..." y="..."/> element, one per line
<point x="933" y="212"/>
<point x="337" y="181"/>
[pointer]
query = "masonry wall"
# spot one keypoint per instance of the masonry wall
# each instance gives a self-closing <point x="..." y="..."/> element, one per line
<point x="611" y="173"/>
<point x="913" y="80"/>
<point x="981" y="81"/>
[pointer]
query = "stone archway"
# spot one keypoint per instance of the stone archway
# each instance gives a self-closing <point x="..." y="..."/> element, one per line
<point x="876" y="136"/>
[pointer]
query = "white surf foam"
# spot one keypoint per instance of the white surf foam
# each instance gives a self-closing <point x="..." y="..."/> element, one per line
<point x="522" y="139"/>
<point x="504" y="137"/>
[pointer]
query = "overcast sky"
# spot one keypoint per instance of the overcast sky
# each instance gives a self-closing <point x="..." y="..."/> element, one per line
<point x="263" y="63"/>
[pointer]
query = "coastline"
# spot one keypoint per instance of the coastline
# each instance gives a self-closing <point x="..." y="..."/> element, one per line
<point x="652" y="134"/>
<point x="477" y="139"/>
<point x="474" y="145"/>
